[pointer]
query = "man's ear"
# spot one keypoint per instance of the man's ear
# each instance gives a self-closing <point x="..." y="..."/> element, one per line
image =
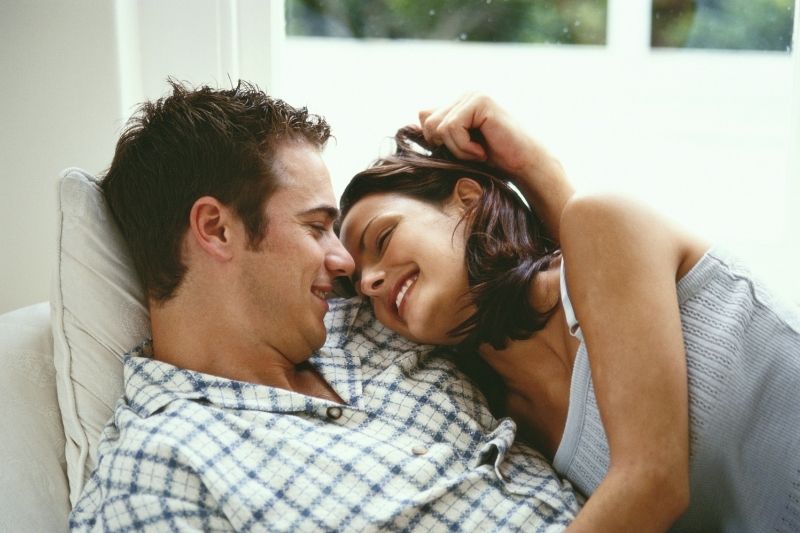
<point x="211" y="227"/>
<point x="466" y="192"/>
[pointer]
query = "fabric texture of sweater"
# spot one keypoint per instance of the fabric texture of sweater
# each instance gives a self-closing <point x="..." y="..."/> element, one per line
<point x="743" y="360"/>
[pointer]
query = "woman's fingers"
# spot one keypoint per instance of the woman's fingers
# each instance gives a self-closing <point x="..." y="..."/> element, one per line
<point x="429" y="120"/>
<point x="458" y="125"/>
<point x="451" y="126"/>
<point x="457" y="138"/>
<point x="424" y="114"/>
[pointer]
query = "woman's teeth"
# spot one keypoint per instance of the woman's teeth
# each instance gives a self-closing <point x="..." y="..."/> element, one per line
<point x="402" y="293"/>
<point x="319" y="293"/>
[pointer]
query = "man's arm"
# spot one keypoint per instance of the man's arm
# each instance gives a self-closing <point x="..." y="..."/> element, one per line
<point x="141" y="482"/>
<point x="539" y="176"/>
<point x="143" y="511"/>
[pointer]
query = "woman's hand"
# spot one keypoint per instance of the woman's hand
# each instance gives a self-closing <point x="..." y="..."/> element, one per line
<point x="475" y="128"/>
<point x="501" y="142"/>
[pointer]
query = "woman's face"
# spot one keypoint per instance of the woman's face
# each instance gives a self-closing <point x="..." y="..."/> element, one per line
<point x="409" y="261"/>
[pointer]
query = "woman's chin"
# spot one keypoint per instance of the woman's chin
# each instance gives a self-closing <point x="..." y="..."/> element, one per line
<point x="433" y="337"/>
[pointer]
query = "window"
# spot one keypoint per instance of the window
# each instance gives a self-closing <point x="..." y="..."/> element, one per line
<point x="692" y="106"/>
<point x="723" y="24"/>
<point x="714" y="24"/>
<point x="521" y="21"/>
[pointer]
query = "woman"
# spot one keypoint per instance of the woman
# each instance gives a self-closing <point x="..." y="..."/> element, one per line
<point x="593" y="328"/>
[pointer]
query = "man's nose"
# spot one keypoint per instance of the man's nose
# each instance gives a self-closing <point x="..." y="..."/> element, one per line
<point x="338" y="260"/>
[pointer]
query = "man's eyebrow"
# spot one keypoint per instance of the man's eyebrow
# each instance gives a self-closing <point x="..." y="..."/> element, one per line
<point x="327" y="210"/>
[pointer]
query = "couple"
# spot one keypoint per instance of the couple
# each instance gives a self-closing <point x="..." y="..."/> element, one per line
<point x="228" y="421"/>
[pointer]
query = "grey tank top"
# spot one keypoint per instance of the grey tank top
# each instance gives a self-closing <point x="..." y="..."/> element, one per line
<point x="743" y="360"/>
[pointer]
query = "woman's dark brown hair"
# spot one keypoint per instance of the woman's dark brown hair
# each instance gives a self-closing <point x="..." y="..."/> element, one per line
<point x="507" y="243"/>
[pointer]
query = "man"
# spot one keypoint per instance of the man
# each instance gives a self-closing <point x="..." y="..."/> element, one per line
<point x="228" y="422"/>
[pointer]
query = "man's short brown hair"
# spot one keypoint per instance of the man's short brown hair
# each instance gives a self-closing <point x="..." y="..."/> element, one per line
<point x="194" y="143"/>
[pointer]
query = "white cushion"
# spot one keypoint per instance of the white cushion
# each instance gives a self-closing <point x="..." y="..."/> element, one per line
<point x="99" y="313"/>
<point x="33" y="480"/>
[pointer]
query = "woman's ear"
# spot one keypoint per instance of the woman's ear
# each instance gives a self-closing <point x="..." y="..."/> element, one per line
<point x="466" y="192"/>
<point x="210" y="227"/>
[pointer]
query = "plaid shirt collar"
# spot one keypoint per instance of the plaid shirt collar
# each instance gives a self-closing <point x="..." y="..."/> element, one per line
<point x="153" y="384"/>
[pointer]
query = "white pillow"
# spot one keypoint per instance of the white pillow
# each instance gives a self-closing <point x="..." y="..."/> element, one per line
<point x="99" y="312"/>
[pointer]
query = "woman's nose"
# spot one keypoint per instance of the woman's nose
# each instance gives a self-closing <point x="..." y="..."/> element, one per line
<point x="372" y="282"/>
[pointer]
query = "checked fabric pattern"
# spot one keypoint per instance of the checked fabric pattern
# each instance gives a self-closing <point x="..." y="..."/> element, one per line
<point x="414" y="448"/>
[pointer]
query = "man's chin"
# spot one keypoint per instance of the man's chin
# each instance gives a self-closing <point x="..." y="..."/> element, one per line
<point x="319" y="336"/>
<point x="318" y="345"/>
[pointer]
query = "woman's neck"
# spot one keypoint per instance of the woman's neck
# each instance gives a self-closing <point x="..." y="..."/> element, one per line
<point x="525" y="365"/>
<point x="537" y="371"/>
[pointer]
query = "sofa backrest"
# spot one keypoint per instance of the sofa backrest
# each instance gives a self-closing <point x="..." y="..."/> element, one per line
<point x="34" y="493"/>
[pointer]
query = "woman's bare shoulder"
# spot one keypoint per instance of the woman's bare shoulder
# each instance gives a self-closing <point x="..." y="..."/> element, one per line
<point x="617" y="225"/>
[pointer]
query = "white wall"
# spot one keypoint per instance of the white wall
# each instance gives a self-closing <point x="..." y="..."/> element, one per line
<point x="59" y="103"/>
<point x="72" y="72"/>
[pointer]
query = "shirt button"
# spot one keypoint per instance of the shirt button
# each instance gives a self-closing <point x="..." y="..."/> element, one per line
<point x="334" y="412"/>
<point x="419" y="450"/>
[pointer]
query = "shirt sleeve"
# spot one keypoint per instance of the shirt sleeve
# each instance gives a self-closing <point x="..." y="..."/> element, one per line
<point x="125" y="511"/>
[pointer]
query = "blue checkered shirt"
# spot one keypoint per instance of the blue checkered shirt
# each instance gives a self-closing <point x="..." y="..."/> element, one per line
<point x="414" y="448"/>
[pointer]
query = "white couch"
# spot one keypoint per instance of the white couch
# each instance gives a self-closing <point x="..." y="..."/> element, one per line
<point x="34" y="490"/>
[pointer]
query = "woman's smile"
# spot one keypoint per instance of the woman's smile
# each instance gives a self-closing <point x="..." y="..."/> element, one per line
<point x="409" y="259"/>
<point x="405" y="288"/>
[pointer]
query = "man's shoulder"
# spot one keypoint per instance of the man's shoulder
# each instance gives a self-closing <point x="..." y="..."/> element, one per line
<point x="150" y="464"/>
<point x="163" y="407"/>
<point x="168" y="427"/>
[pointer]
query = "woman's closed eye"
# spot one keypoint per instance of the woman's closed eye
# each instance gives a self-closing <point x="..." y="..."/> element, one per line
<point x="383" y="237"/>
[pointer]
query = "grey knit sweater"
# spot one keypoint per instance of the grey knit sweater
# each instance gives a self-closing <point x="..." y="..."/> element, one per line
<point x="743" y="359"/>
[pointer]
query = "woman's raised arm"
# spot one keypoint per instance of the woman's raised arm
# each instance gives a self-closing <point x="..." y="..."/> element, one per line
<point x="621" y="265"/>
<point x="502" y="143"/>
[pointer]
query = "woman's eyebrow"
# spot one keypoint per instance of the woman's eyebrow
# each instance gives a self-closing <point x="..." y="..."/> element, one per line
<point x="361" y="244"/>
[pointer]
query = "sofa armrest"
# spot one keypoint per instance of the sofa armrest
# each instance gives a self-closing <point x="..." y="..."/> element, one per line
<point x="34" y="494"/>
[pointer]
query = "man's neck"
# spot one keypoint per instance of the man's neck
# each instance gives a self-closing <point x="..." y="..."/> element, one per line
<point x="203" y="343"/>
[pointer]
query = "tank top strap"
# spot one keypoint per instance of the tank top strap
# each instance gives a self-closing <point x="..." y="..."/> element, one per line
<point x="569" y="312"/>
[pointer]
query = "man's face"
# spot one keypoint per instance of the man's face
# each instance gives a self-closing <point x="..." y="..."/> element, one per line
<point x="287" y="279"/>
